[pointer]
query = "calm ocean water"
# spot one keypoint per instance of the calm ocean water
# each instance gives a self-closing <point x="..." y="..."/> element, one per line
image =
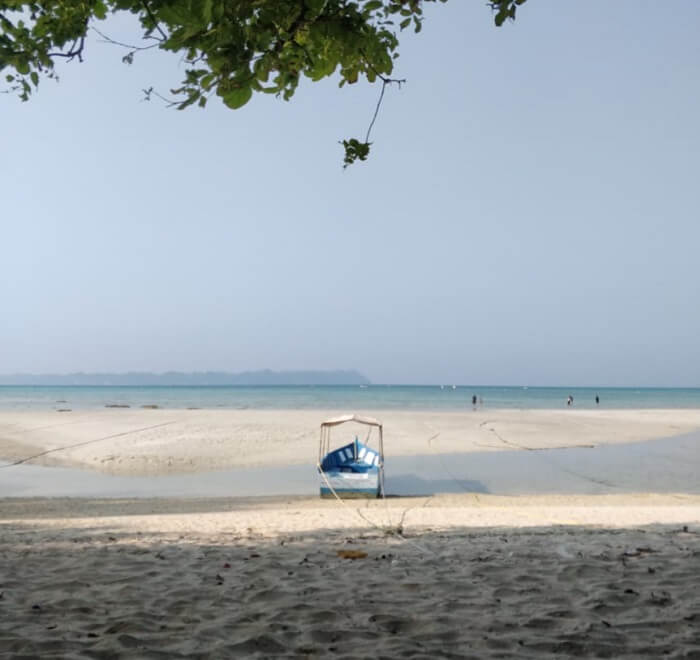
<point x="343" y="398"/>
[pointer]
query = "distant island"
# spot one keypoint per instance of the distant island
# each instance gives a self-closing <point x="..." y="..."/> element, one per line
<point x="263" y="377"/>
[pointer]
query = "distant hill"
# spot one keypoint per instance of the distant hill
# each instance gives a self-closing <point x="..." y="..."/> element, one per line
<point x="264" y="377"/>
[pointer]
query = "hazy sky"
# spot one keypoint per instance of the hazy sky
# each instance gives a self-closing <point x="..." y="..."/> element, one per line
<point x="529" y="213"/>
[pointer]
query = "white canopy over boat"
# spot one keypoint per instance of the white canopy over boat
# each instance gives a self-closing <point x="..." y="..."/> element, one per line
<point x="370" y="421"/>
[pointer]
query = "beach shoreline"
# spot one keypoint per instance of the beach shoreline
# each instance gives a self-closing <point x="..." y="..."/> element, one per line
<point x="160" y="442"/>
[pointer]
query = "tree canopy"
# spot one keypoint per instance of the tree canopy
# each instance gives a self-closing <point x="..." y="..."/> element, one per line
<point x="232" y="48"/>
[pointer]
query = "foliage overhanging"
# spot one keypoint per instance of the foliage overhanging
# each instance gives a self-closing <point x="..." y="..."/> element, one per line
<point x="232" y="48"/>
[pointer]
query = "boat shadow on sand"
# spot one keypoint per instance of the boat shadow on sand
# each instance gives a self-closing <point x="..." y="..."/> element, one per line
<point x="411" y="485"/>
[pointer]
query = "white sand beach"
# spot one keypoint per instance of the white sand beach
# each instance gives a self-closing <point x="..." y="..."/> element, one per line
<point x="154" y="442"/>
<point x="448" y="576"/>
<point x="440" y="577"/>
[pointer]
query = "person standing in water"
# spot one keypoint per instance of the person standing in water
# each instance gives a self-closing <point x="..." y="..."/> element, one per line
<point x="570" y="400"/>
<point x="474" y="401"/>
<point x="597" y="399"/>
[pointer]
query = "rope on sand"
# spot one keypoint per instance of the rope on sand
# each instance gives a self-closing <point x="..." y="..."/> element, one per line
<point x="447" y="469"/>
<point x="573" y="473"/>
<point x="81" y="444"/>
<point x="388" y="530"/>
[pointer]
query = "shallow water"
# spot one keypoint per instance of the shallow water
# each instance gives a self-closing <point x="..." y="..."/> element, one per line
<point x="341" y="397"/>
<point x="659" y="466"/>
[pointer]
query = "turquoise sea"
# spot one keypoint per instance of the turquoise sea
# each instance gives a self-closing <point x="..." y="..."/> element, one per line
<point x="343" y="398"/>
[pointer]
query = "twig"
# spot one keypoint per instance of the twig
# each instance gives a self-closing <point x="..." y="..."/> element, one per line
<point x="152" y="92"/>
<point x="133" y="48"/>
<point x="376" y="110"/>
<point x="385" y="82"/>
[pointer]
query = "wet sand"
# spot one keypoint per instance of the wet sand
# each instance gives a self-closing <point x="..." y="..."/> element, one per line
<point x="666" y="465"/>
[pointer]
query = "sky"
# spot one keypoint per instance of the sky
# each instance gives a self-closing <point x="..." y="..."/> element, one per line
<point x="528" y="214"/>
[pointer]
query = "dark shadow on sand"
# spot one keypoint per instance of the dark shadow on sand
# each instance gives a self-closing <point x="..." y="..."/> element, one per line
<point x="412" y="485"/>
<point x="464" y="593"/>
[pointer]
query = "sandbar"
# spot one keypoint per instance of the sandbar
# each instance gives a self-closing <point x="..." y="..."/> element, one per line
<point x="161" y="441"/>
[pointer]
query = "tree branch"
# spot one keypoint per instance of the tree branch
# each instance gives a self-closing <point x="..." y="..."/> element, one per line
<point x="73" y="52"/>
<point x="156" y="25"/>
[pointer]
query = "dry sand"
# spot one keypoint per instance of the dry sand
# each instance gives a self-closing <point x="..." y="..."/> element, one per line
<point x="149" y="442"/>
<point x="469" y="577"/>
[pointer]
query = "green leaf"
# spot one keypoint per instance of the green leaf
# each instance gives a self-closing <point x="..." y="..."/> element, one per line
<point x="207" y="11"/>
<point x="315" y="6"/>
<point x="237" y="98"/>
<point x="100" y="10"/>
<point x="206" y="81"/>
<point x="35" y="78"/>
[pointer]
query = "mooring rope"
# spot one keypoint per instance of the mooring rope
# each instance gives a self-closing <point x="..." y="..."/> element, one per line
<point x="548" y="460"/>
<point x="81" y="444"/>
<point x="386" y="530"/>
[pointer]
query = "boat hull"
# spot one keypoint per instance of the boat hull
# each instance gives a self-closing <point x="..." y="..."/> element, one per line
<point x="351" y="484"/>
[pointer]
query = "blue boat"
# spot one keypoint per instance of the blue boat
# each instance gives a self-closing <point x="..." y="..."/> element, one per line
<point x="355" y="469"/>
